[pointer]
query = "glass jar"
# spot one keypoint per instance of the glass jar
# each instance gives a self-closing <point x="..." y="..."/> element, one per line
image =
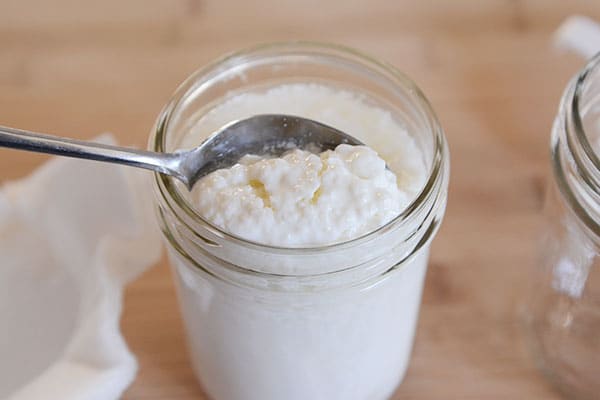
<point x="564" y="310"/>
<point x="340" y="322"/>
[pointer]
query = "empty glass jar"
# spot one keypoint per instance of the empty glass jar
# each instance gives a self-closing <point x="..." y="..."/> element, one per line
<point x="564" y="312"/>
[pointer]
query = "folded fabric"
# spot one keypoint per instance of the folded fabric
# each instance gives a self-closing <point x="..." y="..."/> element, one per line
<point x="71" y="236"/>
<point x="579" y="34"/>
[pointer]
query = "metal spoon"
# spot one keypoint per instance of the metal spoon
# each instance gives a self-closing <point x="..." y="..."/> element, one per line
<point x="271" y="134"/>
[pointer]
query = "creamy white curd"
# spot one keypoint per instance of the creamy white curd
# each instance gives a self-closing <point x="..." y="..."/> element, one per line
<point x="350" y="112"/>
<point x="302" y="199"/>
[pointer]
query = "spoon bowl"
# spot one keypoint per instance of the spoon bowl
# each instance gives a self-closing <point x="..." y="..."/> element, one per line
<point x="265" y="134"/>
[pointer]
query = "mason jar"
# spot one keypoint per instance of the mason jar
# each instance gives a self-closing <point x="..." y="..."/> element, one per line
<point x="339" y="322"/>
<point x="564" y="309"/>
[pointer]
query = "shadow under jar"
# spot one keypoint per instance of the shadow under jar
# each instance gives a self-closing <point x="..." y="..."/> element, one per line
<point x="564" y="309"/>
<point x="321" y="323"/>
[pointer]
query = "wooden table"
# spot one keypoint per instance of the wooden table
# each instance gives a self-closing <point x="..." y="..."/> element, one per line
<point x="80" y="68"/>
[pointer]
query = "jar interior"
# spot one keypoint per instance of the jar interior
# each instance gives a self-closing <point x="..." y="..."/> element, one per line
<point x="263" y="70"/>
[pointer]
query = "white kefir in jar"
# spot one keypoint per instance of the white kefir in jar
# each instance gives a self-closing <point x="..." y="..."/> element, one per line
<point x="300" y="277"/>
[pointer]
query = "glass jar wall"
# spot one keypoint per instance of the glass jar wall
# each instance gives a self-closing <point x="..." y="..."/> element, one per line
<point x="329" y="322"/>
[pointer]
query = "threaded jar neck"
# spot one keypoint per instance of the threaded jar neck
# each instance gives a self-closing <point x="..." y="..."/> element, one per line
<point x="575" y="146"/>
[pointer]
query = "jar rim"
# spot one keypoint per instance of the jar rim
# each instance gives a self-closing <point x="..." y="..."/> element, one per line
<point x="167" y="186"/>
<point x="575" y="109"/>
<point x="576" y="165"/>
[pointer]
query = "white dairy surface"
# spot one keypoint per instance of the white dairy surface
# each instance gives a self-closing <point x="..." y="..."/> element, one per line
<point x="270" y="344"/>
<point x="302" y="198"/>
<point x="347" y="111"/>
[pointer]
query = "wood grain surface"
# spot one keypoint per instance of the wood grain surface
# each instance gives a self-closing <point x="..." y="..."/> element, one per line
<point x="78" y="68"/>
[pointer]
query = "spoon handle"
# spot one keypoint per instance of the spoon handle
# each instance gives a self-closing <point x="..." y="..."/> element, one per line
<point x="29" y="141"/>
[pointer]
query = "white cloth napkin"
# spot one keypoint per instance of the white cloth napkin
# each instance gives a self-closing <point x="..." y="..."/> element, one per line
<point x="579" y="34"/>
<point x="71" y="236"/>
